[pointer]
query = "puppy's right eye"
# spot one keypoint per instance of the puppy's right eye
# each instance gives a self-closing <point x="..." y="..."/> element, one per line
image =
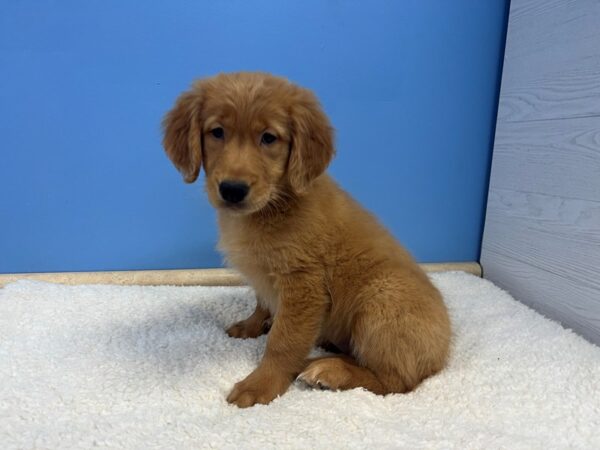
<point x="268" y="138"/>
<point x="218" y="133"/>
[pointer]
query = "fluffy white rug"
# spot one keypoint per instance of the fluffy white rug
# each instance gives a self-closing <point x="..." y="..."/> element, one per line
<point x="149" y="367"/>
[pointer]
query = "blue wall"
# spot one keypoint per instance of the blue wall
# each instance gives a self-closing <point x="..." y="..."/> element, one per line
<point x="410" y="86"/>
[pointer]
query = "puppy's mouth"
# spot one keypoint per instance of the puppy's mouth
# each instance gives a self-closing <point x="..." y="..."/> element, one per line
<point x="240" y="208"/>
<point x="243" y="208"/>
<point x="233" y="207"/>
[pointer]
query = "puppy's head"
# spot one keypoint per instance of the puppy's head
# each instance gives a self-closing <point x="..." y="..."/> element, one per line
<point x="259" y="138"/>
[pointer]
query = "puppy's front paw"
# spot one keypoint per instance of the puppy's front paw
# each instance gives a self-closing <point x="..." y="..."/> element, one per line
<point x="258" y="387"/>
<point x="248" y="328"/>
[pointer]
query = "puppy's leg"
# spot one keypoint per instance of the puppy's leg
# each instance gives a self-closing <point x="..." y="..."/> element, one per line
<point x="402" y="335"/>
<point x="396" y="347"/>
<point x="255" y="325"/>
<point x="295" y="329"/>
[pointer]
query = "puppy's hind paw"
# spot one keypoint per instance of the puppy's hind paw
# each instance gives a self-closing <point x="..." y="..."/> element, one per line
<point x="325" y="373"/>
<point x="312" y="383"/>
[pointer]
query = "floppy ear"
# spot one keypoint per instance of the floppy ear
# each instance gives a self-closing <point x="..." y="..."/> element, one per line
<point x="182" y="135"/>
<point x="312" y="141"/>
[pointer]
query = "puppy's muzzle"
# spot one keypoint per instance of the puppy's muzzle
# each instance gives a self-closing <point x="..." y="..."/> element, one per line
<point x="233" y="191"/>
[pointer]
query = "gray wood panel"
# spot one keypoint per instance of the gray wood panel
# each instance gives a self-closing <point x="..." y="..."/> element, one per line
<point x="551" y="36"/>
<point x="552" y="60"/>
<point x="544" y="250"/>
<point x="542" y="232"/>
<point x="536" y="288"/>
<point x="554" y="157"/>
<point x="553" y="95"/>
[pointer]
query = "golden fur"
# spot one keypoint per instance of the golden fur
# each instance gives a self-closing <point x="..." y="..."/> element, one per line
<point x="322" y="267"/>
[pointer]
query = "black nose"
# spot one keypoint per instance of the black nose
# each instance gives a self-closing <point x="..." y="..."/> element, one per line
<point x="233" y="191"/>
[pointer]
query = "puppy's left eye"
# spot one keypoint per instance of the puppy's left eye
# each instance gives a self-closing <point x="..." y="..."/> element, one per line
<point x="268" y="138"/>
<point x="218" y="133"/>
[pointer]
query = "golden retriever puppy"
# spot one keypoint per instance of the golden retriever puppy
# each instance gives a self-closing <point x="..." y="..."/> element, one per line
<point x="324" y="270"/>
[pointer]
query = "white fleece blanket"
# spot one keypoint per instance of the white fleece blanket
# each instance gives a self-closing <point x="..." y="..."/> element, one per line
<point x="149" y="367"/>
